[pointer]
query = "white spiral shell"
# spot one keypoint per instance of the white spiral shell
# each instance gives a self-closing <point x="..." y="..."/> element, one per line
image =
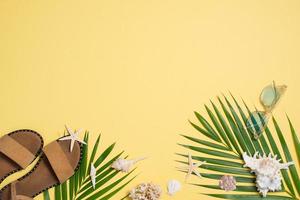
<point x="124" y="165"/>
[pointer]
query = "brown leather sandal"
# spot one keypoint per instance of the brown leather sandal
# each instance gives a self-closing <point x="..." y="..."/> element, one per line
<point x="18" y="150"/>
<point x="57" y="164"/>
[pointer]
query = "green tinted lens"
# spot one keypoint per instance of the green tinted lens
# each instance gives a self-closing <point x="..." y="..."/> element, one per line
<point x="268" y="96"/>
<point x="256" y="123"/>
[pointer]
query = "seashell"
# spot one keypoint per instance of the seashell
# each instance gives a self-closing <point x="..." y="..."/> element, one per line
<point x="146" y="191"/>
<point x="173" y="187"/>
<point x="124" y="165"/>
<point x="93" y="173"/>
<point x="227" y="183"/>
<point x="267" y="171"/>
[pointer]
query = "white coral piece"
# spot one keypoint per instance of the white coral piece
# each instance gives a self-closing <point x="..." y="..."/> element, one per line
<point x="267" y="171"/>
<point x="173" y="187"/>
<point x="124" y="165"/>
<point x="146" y="191"/>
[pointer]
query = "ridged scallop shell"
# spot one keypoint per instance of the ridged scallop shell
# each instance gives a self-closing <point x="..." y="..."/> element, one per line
<point x="173" y="187"/>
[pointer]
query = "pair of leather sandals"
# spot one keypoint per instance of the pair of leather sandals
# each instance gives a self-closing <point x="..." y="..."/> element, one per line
<point x="56" y="163"/>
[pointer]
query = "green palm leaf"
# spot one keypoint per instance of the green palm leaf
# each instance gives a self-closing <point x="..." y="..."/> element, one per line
<point x="255" y="143"/>
<point x="238" y="188"/>
<point x="249" y="197"/>
<point x="239" y="179"/>
<point x="108" y="181"/>
<point x="215" y="161"/>
<point x="288" y="156"/>
<point x="275" y="149"/>
<point x="229" y="138"/>
<point x="226" y="129"/>
<point x="46" y="195"/>
<point x="295" y="140"/>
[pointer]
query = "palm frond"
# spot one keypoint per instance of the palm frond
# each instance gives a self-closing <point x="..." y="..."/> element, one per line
<point x="228" y="137"/>
<point x="295" y="140"/>
<point x="108" y="181"/>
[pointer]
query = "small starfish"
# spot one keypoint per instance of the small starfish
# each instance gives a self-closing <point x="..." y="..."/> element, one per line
<point x="192" y="167"/>
<point x="73" y="137"/>
<point x="93" y="173"/>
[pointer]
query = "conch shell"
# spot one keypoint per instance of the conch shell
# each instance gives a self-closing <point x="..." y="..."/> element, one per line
<point x="267" y="171"/>
<point x="124" y="165"/>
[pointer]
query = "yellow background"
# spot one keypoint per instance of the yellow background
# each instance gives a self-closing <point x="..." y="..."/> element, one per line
<point x="136" y="70"/>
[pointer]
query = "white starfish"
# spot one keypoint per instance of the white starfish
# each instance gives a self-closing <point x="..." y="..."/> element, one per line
<point x="93" y="173"/>
<point x="73" y="136"/>
<point x="192" y="167"/>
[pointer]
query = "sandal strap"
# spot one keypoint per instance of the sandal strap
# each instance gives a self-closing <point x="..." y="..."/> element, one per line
<point x="58" y="161"/>
<point x="15" y="151"/>
<point x="13" y="191"/>
<point x="22" y="197"/>
<point x="13" y="194"/>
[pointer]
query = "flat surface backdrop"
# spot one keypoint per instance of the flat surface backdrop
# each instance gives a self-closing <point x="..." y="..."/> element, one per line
<point x="136" y="70"/>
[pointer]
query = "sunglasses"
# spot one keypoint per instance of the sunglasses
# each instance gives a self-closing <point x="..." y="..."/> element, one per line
<point x="269" y="98"/>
